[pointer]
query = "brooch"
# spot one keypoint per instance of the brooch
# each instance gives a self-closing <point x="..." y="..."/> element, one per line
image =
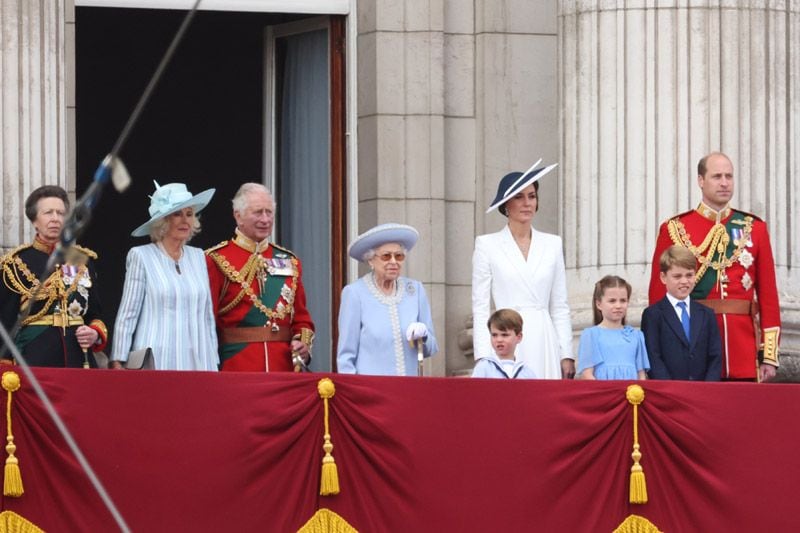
<point x="75" y="310"/>
<point x="746" y="259"/>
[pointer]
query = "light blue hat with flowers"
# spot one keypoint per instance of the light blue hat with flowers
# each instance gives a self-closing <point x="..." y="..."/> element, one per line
<point x="170" y="198"/>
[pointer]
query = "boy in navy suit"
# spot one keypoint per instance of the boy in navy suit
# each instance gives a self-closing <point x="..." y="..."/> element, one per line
<point x="681" y="335"/>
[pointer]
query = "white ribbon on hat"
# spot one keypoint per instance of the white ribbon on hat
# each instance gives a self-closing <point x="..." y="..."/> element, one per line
<point x="524" y="175"/>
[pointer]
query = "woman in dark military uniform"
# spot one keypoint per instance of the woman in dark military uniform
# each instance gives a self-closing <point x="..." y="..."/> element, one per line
<point x="63" y="328"/>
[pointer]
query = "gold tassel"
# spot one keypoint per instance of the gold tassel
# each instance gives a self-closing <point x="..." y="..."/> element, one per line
<point x="326" y="521"/>
<point x="638" y="488"/>
<point x="12" y="480"/>
<point x="637" y="524"/>
<point x="329" y="481"/>
<point x="12" y="522"/>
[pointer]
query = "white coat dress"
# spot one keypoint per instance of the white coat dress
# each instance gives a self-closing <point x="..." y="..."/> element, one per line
<point x="536" y="288"/>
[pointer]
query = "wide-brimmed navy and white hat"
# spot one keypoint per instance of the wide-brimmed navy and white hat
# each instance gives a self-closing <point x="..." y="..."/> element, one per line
<point x="402" y="234"/>
<point x="170" y="198"/>
<point x="514" y="182"/>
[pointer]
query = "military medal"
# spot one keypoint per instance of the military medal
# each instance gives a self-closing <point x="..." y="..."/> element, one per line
<point x="278" y="266"/>
<point x="746" y="259"/>
<point x="747" y="281"/>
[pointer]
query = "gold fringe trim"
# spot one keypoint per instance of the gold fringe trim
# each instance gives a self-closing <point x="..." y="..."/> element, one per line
<point x="329" y="482"/>
<point x="12" y="479"/>
<point x="11" y="522"/>
<point x="326" y="521"/>
<point x="637" y="524"/>
<point x="638" y="488"/>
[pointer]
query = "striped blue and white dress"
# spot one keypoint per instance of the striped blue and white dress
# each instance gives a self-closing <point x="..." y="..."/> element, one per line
<point x="166" y="305"/>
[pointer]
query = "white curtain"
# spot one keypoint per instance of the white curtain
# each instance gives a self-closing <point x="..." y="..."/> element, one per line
<point x="304" y="176"/>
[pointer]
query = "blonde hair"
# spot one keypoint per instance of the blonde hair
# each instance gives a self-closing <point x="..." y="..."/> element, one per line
<point x="679" y="256"/>
<point x="158" y="229"/>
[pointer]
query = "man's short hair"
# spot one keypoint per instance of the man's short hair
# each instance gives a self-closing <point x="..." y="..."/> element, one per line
<point x="701" y="165"/>
<point x="504" y="320"/>
<point x="45" y="191"/>
<point x="240" y="198"/>
<point x="679" y="256"/>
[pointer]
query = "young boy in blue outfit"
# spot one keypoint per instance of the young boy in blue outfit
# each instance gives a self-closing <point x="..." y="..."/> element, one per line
<point x="505" y="327"/>
<point x="681" y="335"/>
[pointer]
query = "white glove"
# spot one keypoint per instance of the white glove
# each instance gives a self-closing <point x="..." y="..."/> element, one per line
<point x="416" y="330"/>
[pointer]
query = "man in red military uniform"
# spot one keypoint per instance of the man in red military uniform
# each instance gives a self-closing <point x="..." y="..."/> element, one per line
<point x="735" y="272"/>
<point x="257" y="290"/>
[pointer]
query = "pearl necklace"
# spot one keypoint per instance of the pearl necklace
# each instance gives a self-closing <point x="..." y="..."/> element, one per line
<point x="176" y="261"/>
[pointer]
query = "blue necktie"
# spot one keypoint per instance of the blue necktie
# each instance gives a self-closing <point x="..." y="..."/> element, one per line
<point x="684" y="319"/>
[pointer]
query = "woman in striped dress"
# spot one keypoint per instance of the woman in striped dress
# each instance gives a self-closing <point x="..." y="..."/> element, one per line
<point x="166" y="301"/>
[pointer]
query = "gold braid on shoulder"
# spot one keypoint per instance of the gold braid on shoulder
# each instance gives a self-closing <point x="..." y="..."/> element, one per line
<point x="715" y="243"/>
<point x="15" y="269"/>
<point x="245" y="278"/>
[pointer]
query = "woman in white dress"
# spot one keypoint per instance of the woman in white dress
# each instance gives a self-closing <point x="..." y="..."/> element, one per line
<point x="166" y="300"/>
<point x="521" y="268"/>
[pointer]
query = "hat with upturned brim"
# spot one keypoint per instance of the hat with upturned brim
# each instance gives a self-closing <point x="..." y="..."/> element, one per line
<point x="376" y="237"/>
<point x="514" y="182"/>
<point x="170" y="198"/>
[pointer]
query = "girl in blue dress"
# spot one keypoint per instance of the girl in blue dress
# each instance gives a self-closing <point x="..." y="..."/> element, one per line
<point x="611" y="349"/>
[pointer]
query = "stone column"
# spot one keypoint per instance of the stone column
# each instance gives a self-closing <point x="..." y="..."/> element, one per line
<point x="33" y="106"/>
<point x="400" y="136"/>
<point x="501" y="111"/>
<point x="647" y="88"/>
<point x="459" y="171"/>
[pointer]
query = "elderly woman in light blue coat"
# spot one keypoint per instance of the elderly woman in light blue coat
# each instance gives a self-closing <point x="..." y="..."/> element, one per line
<point x="383" y="316"/>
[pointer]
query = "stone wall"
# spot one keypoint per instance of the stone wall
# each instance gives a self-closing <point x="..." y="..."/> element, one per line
<point x="34" y="94"/>
<point x="647" y="88"/>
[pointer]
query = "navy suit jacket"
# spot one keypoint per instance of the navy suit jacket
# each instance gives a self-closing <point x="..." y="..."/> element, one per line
<point x="671" y="355"/>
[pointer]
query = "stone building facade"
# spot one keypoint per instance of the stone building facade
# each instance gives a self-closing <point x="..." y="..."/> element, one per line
<point x="449" y="95"/>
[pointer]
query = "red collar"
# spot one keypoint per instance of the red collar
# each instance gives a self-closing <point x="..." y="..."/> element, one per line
<point x="42" y="246"/>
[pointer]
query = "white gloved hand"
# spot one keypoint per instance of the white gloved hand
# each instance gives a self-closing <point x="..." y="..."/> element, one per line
<point x="416" y="330"/>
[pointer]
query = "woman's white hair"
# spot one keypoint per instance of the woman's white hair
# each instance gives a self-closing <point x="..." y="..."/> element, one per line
<point x="372" y="252"/>
<point x="240" y="198"/>
<point x="158" y="229"/>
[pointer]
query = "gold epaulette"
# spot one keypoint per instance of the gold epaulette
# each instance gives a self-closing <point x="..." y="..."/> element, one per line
<point x="91" y="254"/>
<point x="216" y="247"/>
<point x="678" y="216"/>
<point x="745" y="213"/>
<point x="281" y="248"/>
<point x="14" y="251"/>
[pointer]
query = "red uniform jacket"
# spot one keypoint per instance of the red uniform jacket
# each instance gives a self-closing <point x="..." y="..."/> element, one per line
<point x="257" y="286"/>
<point x="734" y="263"/>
